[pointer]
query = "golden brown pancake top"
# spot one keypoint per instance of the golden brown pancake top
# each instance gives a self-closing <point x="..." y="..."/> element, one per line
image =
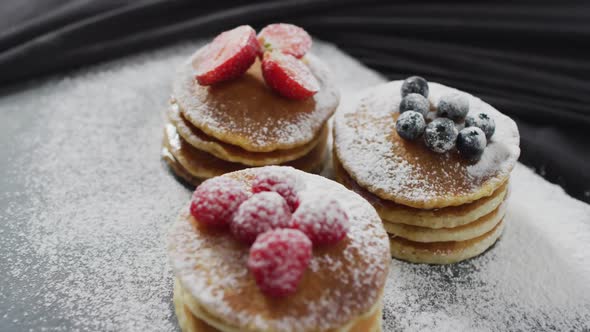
<point x="341" y="282"/>
<point x="234" y="153"/>
<point x="247" y="113"/>
<point x="407" y="172"/>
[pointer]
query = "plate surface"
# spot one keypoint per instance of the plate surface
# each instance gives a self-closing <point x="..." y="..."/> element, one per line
<point x="85" y="203"/>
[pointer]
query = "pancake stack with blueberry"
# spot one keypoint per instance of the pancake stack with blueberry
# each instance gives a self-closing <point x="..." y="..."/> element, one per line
<point x="434" y="162"/>
<point x="247" y="100"/>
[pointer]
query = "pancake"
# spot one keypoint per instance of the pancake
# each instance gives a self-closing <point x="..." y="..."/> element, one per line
<point x="224" y="151"/>
<point x="448" y="217"/>
<point x="244" y="112"/>
<point x="407" y="172"/>
<point x="188" y="312"/>
<point x="197" y="163"/>
<point x="461" y="233"/>
<point x="177" y="168"/>
<point x="202" y="165"/>
<point x="443" y="252"/>
<point x="344" y="282"/>
<point x="186" y="320"/>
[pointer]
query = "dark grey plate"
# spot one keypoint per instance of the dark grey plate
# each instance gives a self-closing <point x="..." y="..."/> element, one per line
<point x="85" y="203"/>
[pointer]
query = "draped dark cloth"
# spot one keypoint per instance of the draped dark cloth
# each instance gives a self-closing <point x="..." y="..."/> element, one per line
<point x="530" y="59"/>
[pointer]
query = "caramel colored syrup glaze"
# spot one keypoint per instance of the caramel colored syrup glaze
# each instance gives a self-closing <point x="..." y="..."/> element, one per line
<point x="342" y="282"/>
<point x="245" y="112"/>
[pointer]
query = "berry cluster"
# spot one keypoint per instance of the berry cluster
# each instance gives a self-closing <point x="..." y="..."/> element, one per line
<point x="280" y="47"/>
<point x="441" y="134"/>
<point x="272" y="218"/>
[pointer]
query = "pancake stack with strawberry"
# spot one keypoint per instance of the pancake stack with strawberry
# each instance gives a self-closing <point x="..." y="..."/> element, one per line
<point x="247" y="100"/>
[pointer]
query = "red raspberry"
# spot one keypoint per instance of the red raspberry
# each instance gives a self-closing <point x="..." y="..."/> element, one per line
<point x="287" y="38"/>
<point x="278" y="259"/>
<point x="261" y="212"/>
<point x="288" y="76"/>
<point x="216" y="200"/>
<point x="282" y="183"/>
<point x="228" y="56"/>
<point x="323" y="220"/>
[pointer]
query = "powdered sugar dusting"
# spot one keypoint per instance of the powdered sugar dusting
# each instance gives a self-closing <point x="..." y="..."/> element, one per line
<point x="261" y="212"/>
<point x="216" y="200"/>
<point x="536" y="278"/>
<point x="286" y="126"/>
<point x="83" y="224"/>
<point x="286" y="185"/>
<point x="503" y="148"/>
<point x="85" y="201"/>
<point x="278" y="259"/>
<point x="342" y="281"/>
<point x="322" y="218"/>
<point x="363" y="128"/>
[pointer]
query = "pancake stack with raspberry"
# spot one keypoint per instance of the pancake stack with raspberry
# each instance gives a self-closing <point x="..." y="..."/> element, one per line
<point x="278" y="249"/>
<point x="434" y="162"/>
<point x="247" y="100"/>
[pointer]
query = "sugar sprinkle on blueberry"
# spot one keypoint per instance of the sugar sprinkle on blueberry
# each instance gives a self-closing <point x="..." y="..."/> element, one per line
<point x="414" y="102"/>
<point x="454" y="106"/>
<point x="415" y="84"/>
<point x="410" y="125"/>
<point x="440" y="135"/>
<point x="482" y="121"/>
<point x="471" y="143"/>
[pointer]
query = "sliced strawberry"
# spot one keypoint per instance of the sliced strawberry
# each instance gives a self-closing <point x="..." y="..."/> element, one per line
<point x="228" y="56"/>
<point x="287" y="38"/>
<point x="288" y="76"/>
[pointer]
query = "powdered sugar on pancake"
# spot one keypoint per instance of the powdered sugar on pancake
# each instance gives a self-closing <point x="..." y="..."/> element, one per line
<point x="369" y="154"/>
<point x="502" y="150"/>
<point x="342" y="281"/>
<point x="261" y="121"/>
<point x="86" y="205"/>
<point x="534" y="279"/>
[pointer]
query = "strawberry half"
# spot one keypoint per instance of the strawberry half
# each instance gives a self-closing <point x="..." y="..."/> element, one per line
<point x="287" y="38"/>
<point x="228" y="56"/>
<point x="288" y="76"/>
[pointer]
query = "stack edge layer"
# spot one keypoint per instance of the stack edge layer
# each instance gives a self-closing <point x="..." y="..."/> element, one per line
<point x="191" y="318"/>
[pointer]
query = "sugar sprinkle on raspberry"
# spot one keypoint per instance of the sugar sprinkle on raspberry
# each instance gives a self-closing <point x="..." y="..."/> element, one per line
<point x="215" y="201"/>
<point x="322" y="219"/>
<point x="278" y="259"/>
<point x="285" y="184"/>
<point x="260" y="213"/>
<point x="288" y="76"/>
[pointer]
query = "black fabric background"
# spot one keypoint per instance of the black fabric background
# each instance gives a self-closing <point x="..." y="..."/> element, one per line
<point x="530" y="59"/>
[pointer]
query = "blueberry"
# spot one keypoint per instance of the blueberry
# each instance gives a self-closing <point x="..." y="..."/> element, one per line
<point x="410" y="125"/>
<point x="414" y="102"/>
<point x="415" y="84"/>
<point x="440" y="135"/>
<point x="454" y="106"/>
<point x="483" y="122"/>
<point x="471" y="142"/>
